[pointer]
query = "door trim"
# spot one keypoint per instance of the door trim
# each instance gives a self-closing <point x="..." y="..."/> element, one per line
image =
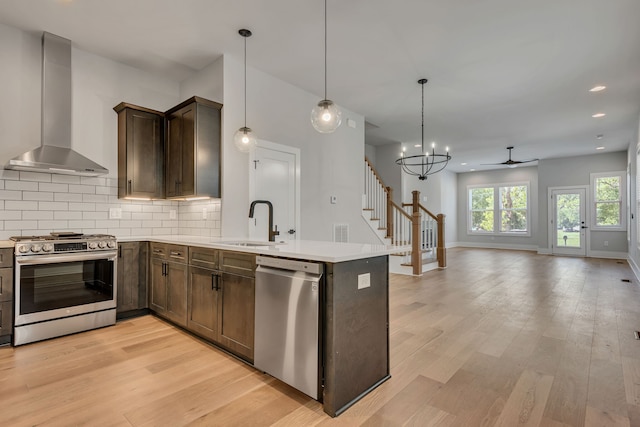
<point x="550" y="217"/>
<point x="268" y="145"/>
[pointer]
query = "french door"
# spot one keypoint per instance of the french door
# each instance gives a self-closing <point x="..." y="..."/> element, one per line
<point x="569" y="221"/>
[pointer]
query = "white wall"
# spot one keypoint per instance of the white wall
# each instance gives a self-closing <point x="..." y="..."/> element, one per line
<point x="576" y="171"/>
<point x="389" y="171"/>
<point x="331" y="164"/>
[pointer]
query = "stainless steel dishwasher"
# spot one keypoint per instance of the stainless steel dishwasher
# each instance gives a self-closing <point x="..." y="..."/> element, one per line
<point x="287" y="321"/>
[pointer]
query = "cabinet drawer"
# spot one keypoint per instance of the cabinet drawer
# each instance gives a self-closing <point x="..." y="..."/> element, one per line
<point x="6" y="257"/>
<point x="203" y="257"/>
<point x="6" y="284"/>
<point x="177" y="253"/>
<point x="159" y="250"/>
<point x="238" y="263"/>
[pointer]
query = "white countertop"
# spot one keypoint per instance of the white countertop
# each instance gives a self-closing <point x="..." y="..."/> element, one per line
<point x="6" y="244"/>
<point x="298" y="249"/>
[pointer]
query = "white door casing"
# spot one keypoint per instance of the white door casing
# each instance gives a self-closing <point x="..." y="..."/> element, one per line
<point x="275" y="176"/>
<point x="573" y="238"/>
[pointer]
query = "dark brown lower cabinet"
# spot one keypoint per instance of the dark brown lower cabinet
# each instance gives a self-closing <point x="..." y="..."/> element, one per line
<point x="158" y="294"/>
<point x="132" y="277"/>
<point x="6" y="295"/>
<point x="203" y="302"/>
<point x="236" y="314"/>
<point x="169" y="279"/>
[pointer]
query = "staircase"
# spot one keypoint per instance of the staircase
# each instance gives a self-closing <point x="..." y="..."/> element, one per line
<point x="395" y="226"/>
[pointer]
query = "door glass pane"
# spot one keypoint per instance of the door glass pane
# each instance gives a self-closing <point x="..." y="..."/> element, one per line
<point x="568" y="221"/>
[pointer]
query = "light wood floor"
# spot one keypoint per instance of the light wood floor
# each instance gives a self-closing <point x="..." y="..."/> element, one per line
<point x="499" y="338"/>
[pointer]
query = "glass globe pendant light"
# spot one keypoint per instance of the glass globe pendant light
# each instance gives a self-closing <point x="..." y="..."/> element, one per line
<point x="326" y="116"/>
<point x="245" y="139"/>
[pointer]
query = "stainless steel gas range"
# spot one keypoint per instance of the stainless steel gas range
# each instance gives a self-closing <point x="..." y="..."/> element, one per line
<point x="64" y="283"/>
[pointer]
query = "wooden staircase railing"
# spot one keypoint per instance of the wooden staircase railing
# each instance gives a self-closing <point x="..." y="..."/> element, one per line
<point x="400" y="226"/>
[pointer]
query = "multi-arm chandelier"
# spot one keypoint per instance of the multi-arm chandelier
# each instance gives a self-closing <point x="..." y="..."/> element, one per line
<point x="426" y="163"/>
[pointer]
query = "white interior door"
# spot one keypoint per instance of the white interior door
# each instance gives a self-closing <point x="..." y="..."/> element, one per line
<point x="569" y="221"/>
<point x="276" y="179"/>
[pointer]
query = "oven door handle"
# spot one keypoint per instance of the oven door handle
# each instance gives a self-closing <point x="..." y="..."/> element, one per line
<point x="51" y="259"/>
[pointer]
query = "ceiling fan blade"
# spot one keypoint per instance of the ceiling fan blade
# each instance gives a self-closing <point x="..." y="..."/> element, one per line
<point x="510" y="162"/>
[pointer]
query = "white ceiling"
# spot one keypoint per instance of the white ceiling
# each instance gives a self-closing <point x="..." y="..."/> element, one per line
<point x="501" y="72"/>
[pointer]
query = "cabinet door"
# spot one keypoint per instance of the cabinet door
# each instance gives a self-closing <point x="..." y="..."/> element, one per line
<point x="128" y="276"/>
<point x="6" y="318"/>
<point x="236" y="314"/>
<point x="177" y="277"/>
<point x="6" y="284"/>
<point x="158" y="297"/>
<point x="203" y="302"/>
<point x="145" y="162"/>
<point x="180" y="180"/>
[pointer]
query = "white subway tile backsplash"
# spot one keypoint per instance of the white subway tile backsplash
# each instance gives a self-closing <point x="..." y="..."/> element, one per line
<point x="67" y="197"/>
<point x="12" y="215"/>
<point x="97" y="198"/>
<point x="35" y="176"/>
<point x="36" y="214"/>
<point x="10" y="195"/>
<point x="21" y="185"/>
<point x="9" y="174"/>
<point x="53" y="225"/>
<point x="79" y="225"/>
<point x="89" y="189"/>
<point x="95" y="215"/>
<point x="20" y="225"/>
<point x="34" y="203"/>
<point x="54" y="188"/>
<point x="67" y="215"/>
<point x="12" y="205"/>
<point x="65" y="179"/>
<point x="53" y="206"/>
<point x="37" y="195"/>
<point x="82" y="207"/>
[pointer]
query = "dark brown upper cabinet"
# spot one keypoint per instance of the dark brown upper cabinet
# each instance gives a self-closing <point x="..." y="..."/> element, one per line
<point x="140" y="152"/>
<point x="193" y="149"/>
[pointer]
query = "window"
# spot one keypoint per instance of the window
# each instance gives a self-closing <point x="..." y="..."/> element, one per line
<point x="609" y="192"/>
<point x="499" y="209"/>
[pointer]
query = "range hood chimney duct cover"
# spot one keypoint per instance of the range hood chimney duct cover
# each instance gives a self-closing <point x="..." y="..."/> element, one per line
<point x="55" y="154"/>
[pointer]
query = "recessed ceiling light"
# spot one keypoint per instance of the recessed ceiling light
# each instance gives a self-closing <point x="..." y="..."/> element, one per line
<point x="472" y="170"/>
<point x="600" y="148"/>
<point x="598" y="115"/>
<point x="417" y="145"/>
<point x="463" y="164"/>
<point x="599" y="136"/>
<point x="597" y="88"/>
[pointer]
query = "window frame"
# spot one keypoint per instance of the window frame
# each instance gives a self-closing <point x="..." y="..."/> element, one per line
<point x="497" y="210"/>
<point x="622" y="225"/>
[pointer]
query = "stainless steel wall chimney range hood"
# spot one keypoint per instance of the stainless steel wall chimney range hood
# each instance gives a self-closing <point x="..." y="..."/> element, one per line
<point x="55" y="154"/>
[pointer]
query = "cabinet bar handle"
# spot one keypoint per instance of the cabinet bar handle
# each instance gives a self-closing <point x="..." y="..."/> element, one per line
<point x="129" y="187"/>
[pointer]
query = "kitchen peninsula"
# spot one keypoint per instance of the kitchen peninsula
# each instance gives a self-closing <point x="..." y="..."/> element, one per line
<point x="354" y="308"/>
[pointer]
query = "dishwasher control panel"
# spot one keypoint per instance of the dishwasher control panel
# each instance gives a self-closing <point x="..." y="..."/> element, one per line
<point x="290" y="264"/>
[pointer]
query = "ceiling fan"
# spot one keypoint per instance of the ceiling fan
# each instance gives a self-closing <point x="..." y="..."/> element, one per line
<point x="512" y="163"/>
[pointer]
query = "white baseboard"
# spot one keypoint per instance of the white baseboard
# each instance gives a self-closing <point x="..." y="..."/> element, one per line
<point x="608" y="255"/>
<point x="634" y="268"/>
<point x="497" y="246"/>
<point x="544" y="251"/>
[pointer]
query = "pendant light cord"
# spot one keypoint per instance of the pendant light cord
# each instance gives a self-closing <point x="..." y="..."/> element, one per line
<point x="325" y="49"/>
<point x="422" y="126"/>
<point x="245" y="82"/>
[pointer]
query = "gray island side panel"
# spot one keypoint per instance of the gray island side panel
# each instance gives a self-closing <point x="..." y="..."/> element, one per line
<point x="356" y="332"/>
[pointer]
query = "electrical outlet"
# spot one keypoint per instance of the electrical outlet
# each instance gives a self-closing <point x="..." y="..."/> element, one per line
<point x="115" y="213"/>
<point x="172" y="214"/>
<point x="606" y="243"/>
<point x="204" y="213"/>
<point x="334" y="200"/>
<point x="364" y="280"/>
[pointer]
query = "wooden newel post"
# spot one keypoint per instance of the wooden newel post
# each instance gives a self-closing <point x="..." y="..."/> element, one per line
<point x="441" y="250"/>
<point x="390" y="213"/>
<point x="416" y="252"/>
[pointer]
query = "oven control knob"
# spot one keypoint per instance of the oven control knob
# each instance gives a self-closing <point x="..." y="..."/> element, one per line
<point x="111" y="244"/>
<point x="36" y="248"/>
<point x="47" y="247"/>
<point x="102" y="244"/>
<point x="23" y="249"/>
<point x="93" y="245"/>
